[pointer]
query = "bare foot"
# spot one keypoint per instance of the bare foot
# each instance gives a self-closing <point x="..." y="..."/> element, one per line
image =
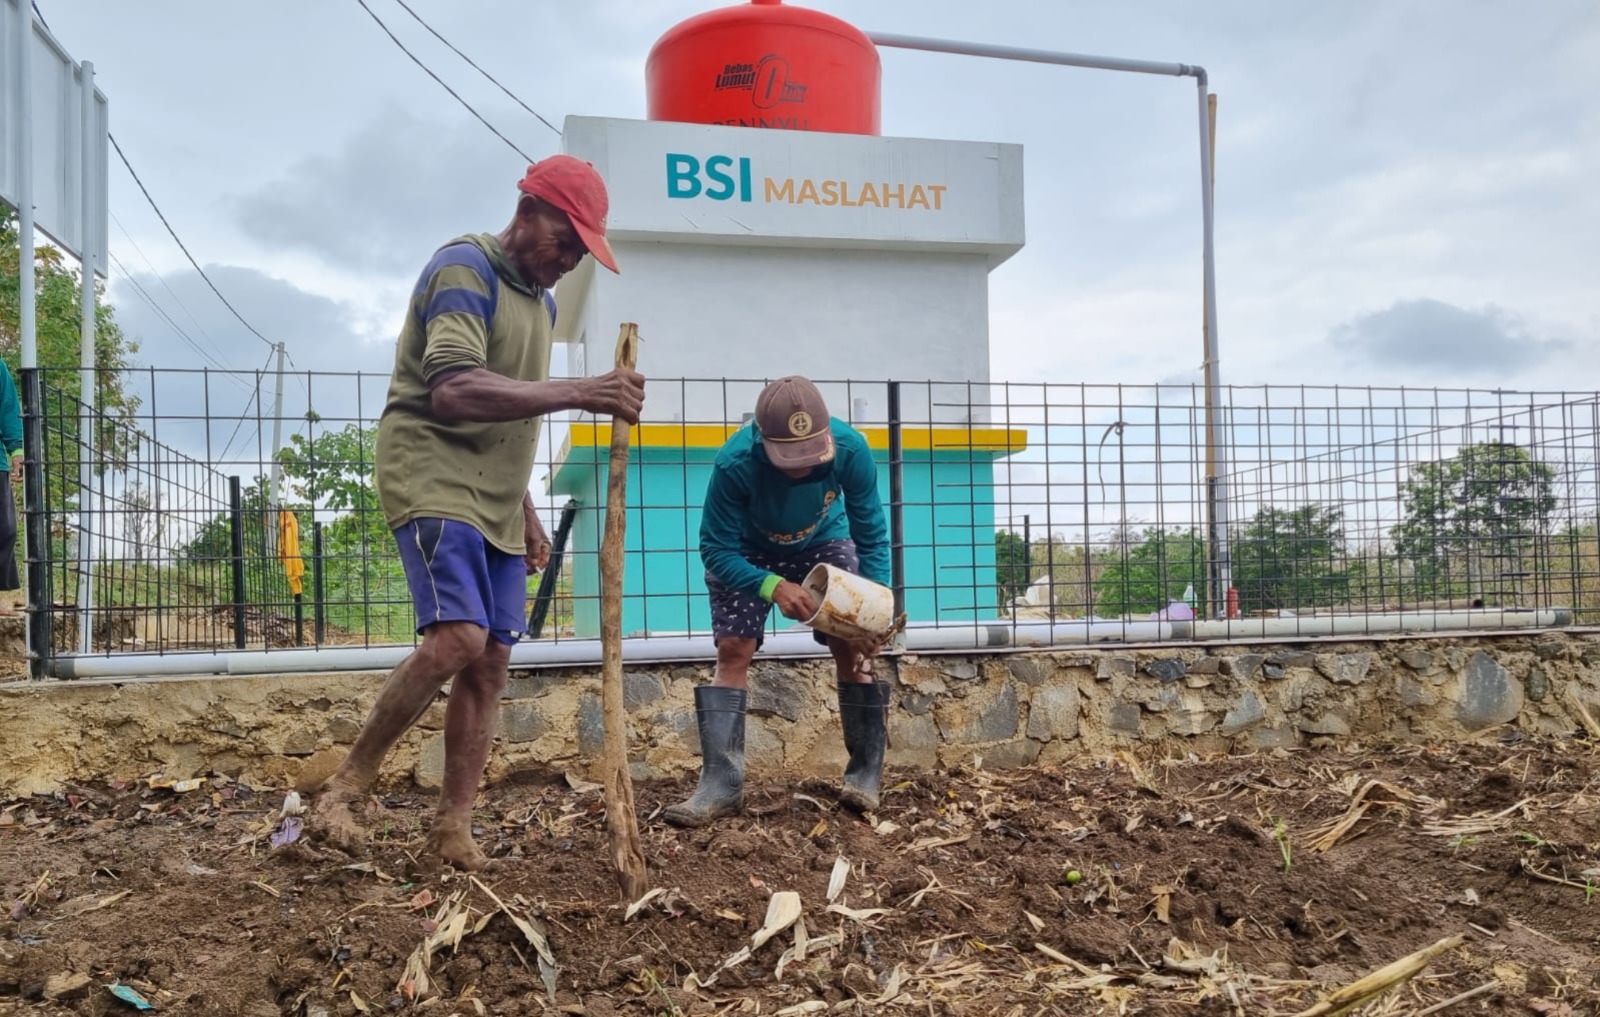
<point x="451" y="841"/>
<point x="333" y="818"/>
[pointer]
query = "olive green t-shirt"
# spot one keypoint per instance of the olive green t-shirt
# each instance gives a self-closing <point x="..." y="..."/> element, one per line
<point x="471" y="308"/>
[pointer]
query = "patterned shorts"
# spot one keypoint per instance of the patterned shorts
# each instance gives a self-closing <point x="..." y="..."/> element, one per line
<point x="740" y="615"/>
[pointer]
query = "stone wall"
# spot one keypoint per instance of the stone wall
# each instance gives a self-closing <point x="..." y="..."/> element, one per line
<point x="1007" y="710"/>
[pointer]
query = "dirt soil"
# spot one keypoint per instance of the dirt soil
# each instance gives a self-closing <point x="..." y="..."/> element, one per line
<point x="1199" y="889"/>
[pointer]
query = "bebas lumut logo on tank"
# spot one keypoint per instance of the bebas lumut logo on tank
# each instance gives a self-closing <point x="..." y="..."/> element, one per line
<point x="767" y="81"/>
<point x="733" y="178"/>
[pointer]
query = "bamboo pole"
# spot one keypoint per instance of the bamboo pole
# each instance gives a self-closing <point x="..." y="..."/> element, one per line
<point x="622" y="819"/>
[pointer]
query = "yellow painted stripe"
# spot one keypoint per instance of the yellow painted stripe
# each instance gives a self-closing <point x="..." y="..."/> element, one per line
<point x="983" y="439"/>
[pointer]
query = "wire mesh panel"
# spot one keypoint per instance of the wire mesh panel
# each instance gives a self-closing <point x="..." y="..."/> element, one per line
<point x="239" y="510"/>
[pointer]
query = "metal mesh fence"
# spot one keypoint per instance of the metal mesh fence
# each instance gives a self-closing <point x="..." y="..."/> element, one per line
<point x="238" y="511"/>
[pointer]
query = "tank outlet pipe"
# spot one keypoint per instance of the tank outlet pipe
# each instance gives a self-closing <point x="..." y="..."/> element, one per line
<point x="1219" y="523"/>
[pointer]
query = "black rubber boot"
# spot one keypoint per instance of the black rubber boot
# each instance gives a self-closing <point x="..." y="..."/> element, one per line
<point x="864" y="714"/>
<point x="720" y="713"/>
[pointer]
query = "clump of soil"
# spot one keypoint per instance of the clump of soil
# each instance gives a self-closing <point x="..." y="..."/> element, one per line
<point x="1200" y="889"/>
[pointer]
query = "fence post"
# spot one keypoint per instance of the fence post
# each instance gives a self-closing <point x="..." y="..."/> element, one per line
<point x="236" y="520"/>
<point x="319" y="616"/>
<point x="897" y="517"/>
<point x="36" y="523"/>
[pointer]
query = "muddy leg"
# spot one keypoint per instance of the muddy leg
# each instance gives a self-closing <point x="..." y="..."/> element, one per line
<point x="848" y="665"/>
<point x="446" y="648"/>
<point x="469" y="727"/>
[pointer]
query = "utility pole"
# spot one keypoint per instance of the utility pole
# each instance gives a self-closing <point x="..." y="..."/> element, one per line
<point x="274" y="493"/>
<point x="277" y="430"/>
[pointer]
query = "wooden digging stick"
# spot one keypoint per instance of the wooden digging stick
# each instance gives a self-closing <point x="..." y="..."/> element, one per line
<point x="622" y="820"/>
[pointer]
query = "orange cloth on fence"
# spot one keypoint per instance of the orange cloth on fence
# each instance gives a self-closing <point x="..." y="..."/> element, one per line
<point x="289" y="549"/>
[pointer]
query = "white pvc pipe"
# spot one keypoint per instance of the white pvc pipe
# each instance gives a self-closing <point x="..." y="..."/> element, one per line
<point x="999" y="634"/>
<point x="1357" y="625"/>
<point x="977" y="638"/>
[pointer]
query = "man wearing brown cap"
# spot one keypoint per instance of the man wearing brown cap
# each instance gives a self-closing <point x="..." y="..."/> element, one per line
<point x="792" y="489"/>
<point x="454" y="456"/>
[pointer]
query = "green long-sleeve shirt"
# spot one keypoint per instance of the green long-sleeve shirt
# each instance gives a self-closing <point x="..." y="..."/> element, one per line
<point x="10" y="418"/>
<point x="751" y="507"/>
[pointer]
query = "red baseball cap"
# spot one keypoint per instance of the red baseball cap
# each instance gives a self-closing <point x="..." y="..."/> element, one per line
<point x="575" y="187"/>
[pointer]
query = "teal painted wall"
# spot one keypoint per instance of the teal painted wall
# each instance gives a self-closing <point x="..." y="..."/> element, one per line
<point x="949" y="532"/>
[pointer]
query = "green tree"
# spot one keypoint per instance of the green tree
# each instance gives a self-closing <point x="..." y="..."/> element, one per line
<point x="1289" y="558"/>
<point x="1153" y="573"/>
<point x="364" y="582"/>
<point x="1011" y="563"/>
<point x="334" y="470"/>
<point x="59" y="330"/>
<point x="1473" y="518"/>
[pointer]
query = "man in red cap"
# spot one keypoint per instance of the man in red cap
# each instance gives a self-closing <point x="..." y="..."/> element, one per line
<point x="792" y="489"/>
<point x="454" y="457"/>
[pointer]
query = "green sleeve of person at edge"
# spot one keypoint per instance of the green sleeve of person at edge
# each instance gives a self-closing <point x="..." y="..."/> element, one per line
<point x="720" y="529"/>
<point x="10" y="418"/>
<point x="869" y="525"/>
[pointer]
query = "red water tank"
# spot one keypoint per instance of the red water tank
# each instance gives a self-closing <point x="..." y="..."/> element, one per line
<point x="766" y="64"/>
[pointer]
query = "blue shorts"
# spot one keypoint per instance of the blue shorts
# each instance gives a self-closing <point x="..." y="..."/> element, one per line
<point x="457" y="576"/>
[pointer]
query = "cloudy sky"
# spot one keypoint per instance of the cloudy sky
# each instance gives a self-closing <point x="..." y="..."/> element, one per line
<point x="1403" y="189"/>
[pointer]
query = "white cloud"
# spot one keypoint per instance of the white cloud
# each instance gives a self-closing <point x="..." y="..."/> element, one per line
<point x="1427" y="333"/>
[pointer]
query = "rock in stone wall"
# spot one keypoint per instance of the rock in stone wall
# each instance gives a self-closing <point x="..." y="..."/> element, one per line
<point x="1003" y="710"/>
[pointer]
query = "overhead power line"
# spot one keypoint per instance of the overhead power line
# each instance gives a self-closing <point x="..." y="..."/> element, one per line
<point x="513" y="96"/>
<point x="162" y="216"/>
<point x="181" y="246"/>
<point x="143" y="293"/>
<point x="429" y="72"/>
<point x="212" y="343"/>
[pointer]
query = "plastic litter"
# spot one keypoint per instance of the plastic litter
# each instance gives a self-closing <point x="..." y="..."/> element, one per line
<point x="129" y="996"/>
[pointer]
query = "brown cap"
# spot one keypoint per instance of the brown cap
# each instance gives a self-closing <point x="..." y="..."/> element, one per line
<point x="794" y="424"/>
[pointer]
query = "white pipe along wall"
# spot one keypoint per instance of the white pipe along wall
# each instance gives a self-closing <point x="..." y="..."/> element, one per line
<point x="982" y="637"/>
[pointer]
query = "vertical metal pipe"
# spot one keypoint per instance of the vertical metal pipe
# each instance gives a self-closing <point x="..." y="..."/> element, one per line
<point x="319" y="612"/>
<point x="546" y="591"/>
<point x="1218" y="492"/>
<point x="236" y="528"/>
<point x="897" y="505"/>
<point x="36" y="523"/>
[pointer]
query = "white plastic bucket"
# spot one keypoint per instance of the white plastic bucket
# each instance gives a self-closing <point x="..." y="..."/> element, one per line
<point x="849" y="606"/>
